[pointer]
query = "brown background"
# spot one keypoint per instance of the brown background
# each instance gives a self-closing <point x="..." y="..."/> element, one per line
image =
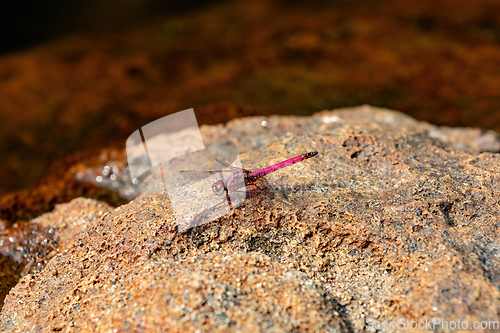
<point x="82" y="76"/>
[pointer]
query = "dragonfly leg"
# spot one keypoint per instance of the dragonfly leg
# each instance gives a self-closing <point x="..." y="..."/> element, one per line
<point x="228" y="198"/>
<point x="251" y="190"/>
<point x="237" y="199"/>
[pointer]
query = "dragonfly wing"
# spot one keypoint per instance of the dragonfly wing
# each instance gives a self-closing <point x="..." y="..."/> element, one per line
<point x="189" y="176"/>
<point x="227" y="165"/>
<point x="203" y="172"/>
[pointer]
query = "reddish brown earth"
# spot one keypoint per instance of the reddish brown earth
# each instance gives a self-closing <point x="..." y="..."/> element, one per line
<point x="394" y="218"/>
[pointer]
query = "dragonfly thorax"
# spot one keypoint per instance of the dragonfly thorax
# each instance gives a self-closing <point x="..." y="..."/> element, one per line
<point x="218" y="187"/>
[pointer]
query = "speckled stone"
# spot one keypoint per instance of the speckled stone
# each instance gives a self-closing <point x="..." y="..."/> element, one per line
<point x="393" y="219"/>
<point x="69" y="219"/>
<point x="233" y="291"/>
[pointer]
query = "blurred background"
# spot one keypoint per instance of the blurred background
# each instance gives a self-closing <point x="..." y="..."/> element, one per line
<point x="79" y="76"/>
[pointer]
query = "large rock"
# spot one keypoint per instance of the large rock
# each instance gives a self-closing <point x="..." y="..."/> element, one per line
<point x="394" y="219"/>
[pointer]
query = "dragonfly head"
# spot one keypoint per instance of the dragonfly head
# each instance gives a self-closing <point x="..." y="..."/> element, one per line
<point x="218" y="187"/>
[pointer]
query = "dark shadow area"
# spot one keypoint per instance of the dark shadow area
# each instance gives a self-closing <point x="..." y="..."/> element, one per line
<point x="27" y="23"/>
<point x="9" y="275"/>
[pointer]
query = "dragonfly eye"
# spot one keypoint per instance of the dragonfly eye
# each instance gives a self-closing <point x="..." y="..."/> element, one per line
<point x="218" y="187"/>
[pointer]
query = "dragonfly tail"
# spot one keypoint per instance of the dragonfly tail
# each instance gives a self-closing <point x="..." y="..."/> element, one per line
<point x="262" y="172"/>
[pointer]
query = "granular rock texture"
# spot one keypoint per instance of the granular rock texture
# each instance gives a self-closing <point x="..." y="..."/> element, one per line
<point x="67" y="220"/>
<point x="28" y="247"/>
<point x="234" y="291"/>
<point x="393" y="219"/>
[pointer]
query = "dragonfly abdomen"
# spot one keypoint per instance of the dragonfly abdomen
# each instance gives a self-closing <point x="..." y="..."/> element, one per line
<point x="267" y="170"/>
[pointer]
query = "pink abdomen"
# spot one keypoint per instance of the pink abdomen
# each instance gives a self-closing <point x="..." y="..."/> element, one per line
<point x="267" y="170"/>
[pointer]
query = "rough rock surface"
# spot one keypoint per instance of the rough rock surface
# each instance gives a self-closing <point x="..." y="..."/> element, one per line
<point x="67" y="220"/>
<point x="28" y="247"/>
<point x="394" y="219"/>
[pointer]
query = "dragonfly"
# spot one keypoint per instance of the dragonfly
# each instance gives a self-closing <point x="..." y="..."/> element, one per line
<point x="242" y="178"/>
